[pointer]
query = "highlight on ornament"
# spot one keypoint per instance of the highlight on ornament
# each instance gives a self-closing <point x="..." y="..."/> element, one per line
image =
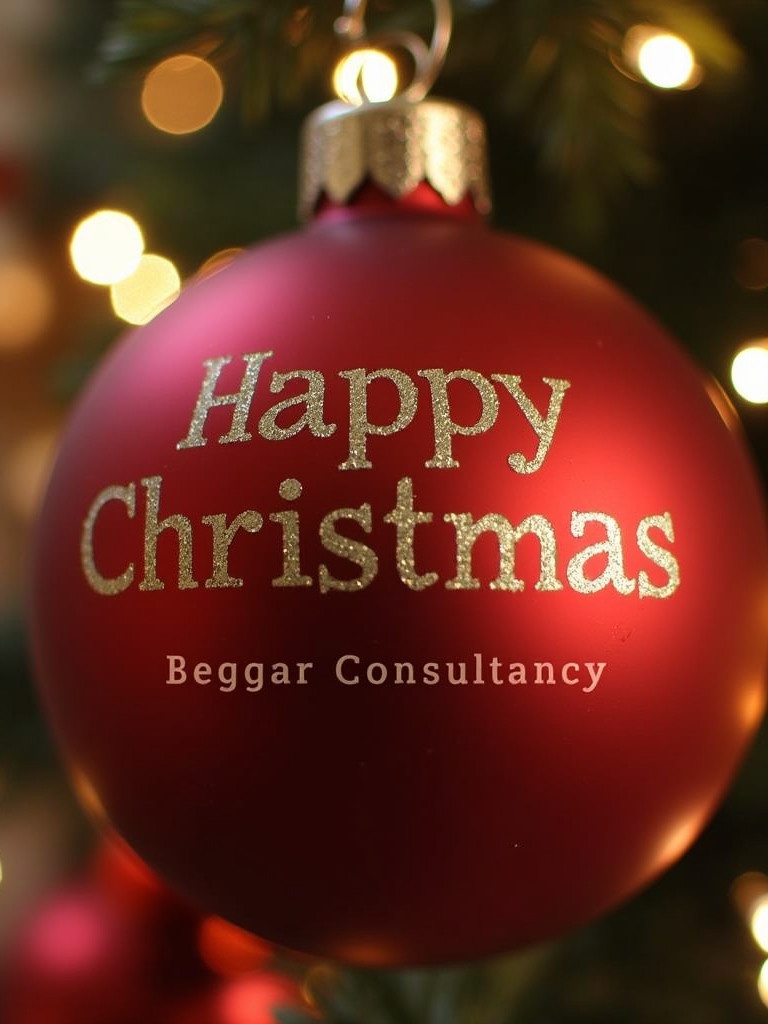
<point x="663" y="59"/>
<point x="106" y="247"/>
<point x="218" y="261"/>
<point x="228" y="950"/>
<point x="150" y="289"/>
<point x="365" y="76"/>
<point x="182" y="94"/>
<point x="749" y="372"/>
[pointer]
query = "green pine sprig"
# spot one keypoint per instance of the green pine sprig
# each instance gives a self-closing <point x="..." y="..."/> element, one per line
<point x="552" y="69"/>
<point x="486" y="993"/>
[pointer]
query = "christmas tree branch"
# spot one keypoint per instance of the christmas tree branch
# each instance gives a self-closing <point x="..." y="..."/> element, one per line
<point x="552" y="68"/>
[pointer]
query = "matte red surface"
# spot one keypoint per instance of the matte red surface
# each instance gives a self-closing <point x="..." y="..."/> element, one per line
<point x="407" y="824"/>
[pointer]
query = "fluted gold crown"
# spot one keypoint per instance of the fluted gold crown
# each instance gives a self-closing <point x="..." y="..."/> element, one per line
<point x="395" y="145"/>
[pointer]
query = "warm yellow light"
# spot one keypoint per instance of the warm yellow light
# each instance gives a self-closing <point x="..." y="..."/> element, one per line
<point x="182" y="94"/>
<point x="749" y="373"/>
<point x="365" y="75"/>
<point x="26" y="303"/>
<point x="758" y="923"/>
<point x="154" y="285"/>
<point x="666" y="61"/>
<point x="106" y="247"/>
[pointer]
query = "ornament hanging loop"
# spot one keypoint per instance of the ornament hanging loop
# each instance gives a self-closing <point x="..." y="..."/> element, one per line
<point x="428" y="60"/>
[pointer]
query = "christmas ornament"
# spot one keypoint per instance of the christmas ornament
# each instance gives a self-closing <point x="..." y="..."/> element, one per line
<point x="401" y="590"/>
<point x="115" y="946"/>
<point x="168" y="926"/>
<point x="252" y="999"/>
<point x="76" y="961"/>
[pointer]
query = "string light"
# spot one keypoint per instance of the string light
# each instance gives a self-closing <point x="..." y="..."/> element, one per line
<point x="365" y="75"/>
<point x="106" y="247"/>
<point x="749" y="373"/>
<point x="182" y="94"/>
<point x="154" y="285"/>
<point x="662" y="58"/>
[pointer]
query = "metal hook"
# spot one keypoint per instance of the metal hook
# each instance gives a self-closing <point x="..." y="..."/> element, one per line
<point x="428" y="61"/>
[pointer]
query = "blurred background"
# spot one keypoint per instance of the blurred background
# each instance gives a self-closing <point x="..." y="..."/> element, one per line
<point x="145" y="143"/>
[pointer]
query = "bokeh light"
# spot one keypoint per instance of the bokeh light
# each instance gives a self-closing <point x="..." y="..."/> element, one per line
<point x="762" y="983"/>
<point x="365" y="75"/>
<point x="758" y="923"/>
<point x="154" y="285"/>
<point x="661" y="58"/>
<point x="26" y="303"/>
<point x="254" y="998"/>
<point x="182" y="94"/>
<point x="749" y="373"/>
<point x="25" y="471"/>
<point x="106" y="247"/>
<point x="666" y="61"/>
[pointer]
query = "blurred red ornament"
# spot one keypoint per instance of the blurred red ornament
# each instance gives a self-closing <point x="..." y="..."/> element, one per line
<point x="76" y="962"/>
<point x="129" y="882"/>
<point x="112" y="948"/>
<point x="251" y="999"/>
<point x="169" y="925"/>
<point x="401" y="591"/>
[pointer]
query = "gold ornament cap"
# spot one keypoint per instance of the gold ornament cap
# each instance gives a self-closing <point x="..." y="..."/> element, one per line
<point x="396" y="146"/>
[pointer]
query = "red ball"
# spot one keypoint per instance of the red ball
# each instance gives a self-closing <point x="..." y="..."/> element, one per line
<point x="401" y="591"/>
<point x="76" y="961"/>
<point x="251" y="999"/>
<point x="168" y="926"/>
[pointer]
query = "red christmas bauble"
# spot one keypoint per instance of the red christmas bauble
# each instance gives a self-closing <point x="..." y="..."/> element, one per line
<point x="251" y="999"/>
<point x="77" y="961"/>
<point x="401" y="590"/>
<point x="168" y="926"/>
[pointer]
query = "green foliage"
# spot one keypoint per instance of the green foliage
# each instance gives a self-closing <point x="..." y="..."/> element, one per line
<point x="277" y="49"/>
<point x="552" y="68"/>
<point x="485" y="993"/>
<point x="557" y="70"/>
